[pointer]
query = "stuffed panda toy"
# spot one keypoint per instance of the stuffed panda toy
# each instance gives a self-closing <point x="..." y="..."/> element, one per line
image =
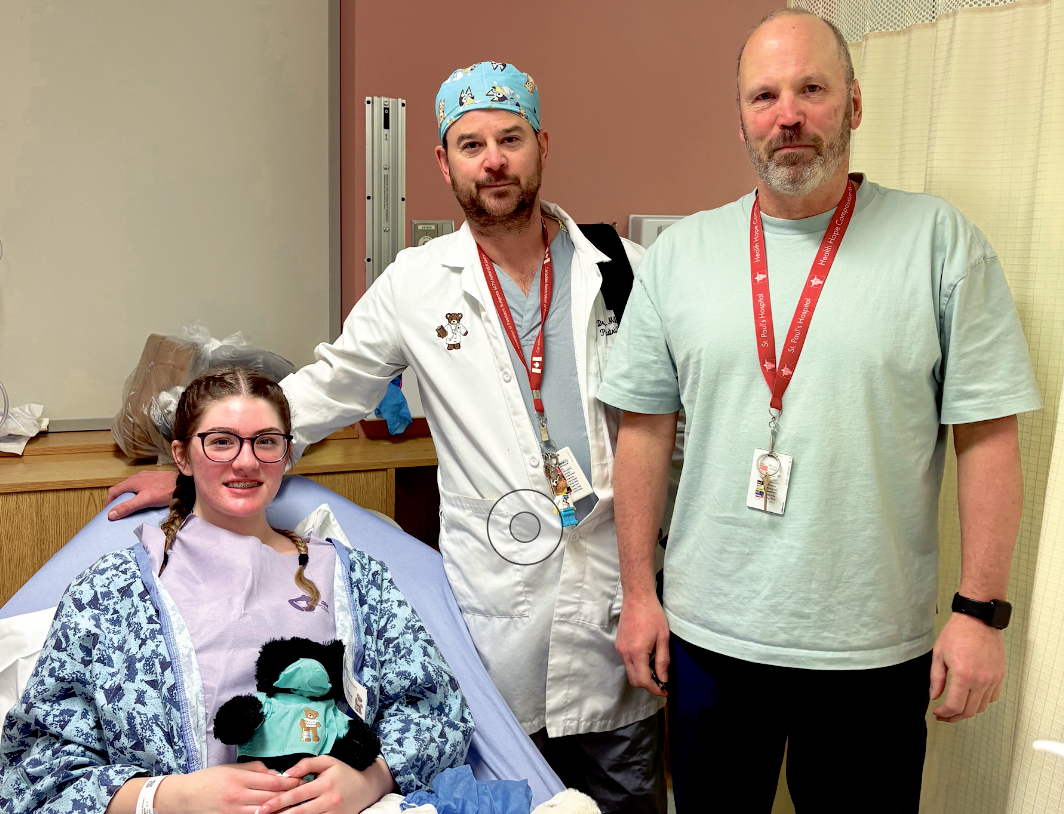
<point x="294" y="714"/>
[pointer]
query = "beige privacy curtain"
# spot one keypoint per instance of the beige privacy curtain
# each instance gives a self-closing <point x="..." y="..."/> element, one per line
<point x="965" y="100"/>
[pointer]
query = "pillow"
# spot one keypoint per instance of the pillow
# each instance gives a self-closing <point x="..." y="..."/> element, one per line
<point x="21" y="640"/>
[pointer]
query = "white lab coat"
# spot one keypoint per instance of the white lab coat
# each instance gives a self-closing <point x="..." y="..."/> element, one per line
<point x="545" y="632"/>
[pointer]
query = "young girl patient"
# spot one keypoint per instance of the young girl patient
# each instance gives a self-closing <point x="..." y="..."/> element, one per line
<point x="149" y="642"/>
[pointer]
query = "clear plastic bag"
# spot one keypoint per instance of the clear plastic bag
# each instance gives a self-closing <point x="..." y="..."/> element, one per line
<point x="144" y="426"/>
<point x="19" y="425"/>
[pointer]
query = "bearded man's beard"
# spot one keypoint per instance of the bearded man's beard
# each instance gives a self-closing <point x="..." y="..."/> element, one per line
<point x="795" y="173"/>
<point x="500" y="216"/>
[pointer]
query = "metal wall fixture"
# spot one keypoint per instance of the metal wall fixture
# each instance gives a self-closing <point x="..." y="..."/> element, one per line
<point x="385" y="183"/>
<point x="645" y="229"/>
<point x="422" y="231"/>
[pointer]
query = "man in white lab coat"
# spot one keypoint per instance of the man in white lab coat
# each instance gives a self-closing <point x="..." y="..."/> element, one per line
<point x="525" y="449"/>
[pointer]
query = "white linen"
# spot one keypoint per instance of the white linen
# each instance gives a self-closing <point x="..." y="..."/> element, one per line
<point x="21" y="640"/>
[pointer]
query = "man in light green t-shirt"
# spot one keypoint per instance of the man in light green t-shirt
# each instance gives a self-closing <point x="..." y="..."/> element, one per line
<point x="800" y="575"/>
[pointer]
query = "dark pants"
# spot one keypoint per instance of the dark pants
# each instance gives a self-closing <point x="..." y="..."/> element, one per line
<point x="855" y="739"/>
<point x="623" y="770"/>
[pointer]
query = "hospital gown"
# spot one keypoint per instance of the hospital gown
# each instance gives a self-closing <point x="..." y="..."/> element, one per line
<point x="107" y="698"/>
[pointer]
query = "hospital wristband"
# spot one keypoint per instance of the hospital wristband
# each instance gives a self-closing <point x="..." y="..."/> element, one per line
<point x="146" y="799"/>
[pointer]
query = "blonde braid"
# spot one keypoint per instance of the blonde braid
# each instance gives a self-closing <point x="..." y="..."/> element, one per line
<point x="302" y="582"/>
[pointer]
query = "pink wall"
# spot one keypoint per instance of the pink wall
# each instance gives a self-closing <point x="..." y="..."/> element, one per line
<point x="638" y="97"/>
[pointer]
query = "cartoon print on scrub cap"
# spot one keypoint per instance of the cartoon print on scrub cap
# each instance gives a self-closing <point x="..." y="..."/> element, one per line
<point x="487" y="86"/>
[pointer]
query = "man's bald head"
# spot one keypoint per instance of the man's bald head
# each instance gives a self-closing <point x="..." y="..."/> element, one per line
<point x="840" y="41"/>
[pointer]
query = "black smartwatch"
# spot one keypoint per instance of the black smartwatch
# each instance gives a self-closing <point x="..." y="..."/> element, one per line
<point x="995" y="613"/>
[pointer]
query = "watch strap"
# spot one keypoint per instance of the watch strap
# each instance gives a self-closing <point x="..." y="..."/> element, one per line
<point x="996" y="613"/>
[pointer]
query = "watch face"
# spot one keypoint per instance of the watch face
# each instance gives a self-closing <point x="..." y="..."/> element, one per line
<point x="1002" y="614"/>
<point x="995" y="613"/>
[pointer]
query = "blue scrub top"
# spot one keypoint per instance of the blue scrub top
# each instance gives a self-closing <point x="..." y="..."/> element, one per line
<point x="561" y="389"/>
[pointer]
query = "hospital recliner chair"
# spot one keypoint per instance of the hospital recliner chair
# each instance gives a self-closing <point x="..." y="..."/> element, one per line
<point x="500" y="749"/>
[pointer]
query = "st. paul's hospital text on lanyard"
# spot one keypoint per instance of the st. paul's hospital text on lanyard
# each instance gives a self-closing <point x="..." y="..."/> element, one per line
<point x="770" y="472"/>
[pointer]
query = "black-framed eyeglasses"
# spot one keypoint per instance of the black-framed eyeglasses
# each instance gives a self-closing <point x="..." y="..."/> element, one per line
<point x="223" y="447"/>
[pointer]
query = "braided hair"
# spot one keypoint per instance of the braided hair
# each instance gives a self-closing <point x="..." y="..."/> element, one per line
<point x="210" y="387"/>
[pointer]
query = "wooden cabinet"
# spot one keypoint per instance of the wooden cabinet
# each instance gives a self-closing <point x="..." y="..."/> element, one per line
<point x="60" y="483"/>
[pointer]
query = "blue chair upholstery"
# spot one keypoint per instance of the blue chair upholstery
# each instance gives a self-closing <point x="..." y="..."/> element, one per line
<point x="499" y="750"/>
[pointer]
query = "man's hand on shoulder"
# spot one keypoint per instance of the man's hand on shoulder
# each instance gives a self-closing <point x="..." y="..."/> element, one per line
<point x="642" y="634"/>
<point x="150" y="489"/>
<point x="973" y="655"/>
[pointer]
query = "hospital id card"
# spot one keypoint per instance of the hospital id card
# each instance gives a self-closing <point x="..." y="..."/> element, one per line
<point x="774" y="499"/>
<point x="579" y="485"/>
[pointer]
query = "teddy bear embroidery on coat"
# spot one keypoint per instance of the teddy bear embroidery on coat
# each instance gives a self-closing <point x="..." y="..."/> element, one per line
<point x="453" y="331"/>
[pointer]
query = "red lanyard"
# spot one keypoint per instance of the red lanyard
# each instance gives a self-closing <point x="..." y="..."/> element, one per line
<point x="803" y="313"/>
<point x="546" y="286"/>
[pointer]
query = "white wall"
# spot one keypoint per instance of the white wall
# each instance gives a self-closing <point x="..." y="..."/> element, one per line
<point x="159" y="162"/>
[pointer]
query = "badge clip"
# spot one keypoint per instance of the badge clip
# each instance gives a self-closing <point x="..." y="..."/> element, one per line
<point x="568" y="516"/>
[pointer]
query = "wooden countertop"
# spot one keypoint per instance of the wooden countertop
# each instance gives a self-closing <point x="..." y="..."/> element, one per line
<point x="82" y="460"/>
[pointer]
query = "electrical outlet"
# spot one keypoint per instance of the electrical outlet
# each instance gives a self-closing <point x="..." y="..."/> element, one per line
<point x="644" y="229"/>
<point x="422" y="231"/>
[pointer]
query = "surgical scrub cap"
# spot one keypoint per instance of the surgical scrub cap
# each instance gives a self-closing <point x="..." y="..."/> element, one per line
<point x="305" y="676"/>
<point x="487" y="86"/>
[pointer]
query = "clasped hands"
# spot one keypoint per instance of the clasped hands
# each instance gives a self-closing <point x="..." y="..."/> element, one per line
<point x="251" y="788"/>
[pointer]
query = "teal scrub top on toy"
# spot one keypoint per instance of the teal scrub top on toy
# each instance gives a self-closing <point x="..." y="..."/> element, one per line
<point x="293" y="723"/>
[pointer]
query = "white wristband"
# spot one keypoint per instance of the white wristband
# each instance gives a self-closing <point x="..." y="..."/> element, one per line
<point x="146" y="800"/>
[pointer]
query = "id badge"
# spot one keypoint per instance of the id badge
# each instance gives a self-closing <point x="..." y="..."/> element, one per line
<point x="360" y="699"/>
<point x="579" y="485"/>
<point x="763" y="467"/>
